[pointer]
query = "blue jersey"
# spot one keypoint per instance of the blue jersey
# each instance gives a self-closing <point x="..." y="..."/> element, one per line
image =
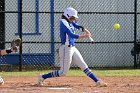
<point x="67" y="33"/>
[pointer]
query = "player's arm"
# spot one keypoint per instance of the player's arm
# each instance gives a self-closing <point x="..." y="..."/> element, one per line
<point x="65" y="26"/>
<point x="6" y="51"/>
<point x="76" y="25"/>
<point x="68" y="30"/>
<point x="86" y="35"/>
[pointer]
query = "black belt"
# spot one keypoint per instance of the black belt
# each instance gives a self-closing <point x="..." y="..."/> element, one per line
<point x="68" y="45"/>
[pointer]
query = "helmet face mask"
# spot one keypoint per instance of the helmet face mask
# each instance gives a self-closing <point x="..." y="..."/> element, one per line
<point x="70" y="12"/>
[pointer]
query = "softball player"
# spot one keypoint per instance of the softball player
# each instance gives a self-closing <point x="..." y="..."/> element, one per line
<point x="14" y="47"/>
<point x="68" y="52"/>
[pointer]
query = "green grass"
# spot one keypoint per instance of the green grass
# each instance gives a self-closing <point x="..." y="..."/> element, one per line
<point x="131" y="72"/>
<point x="118" y="72"/>
<point x="124" y="72"/>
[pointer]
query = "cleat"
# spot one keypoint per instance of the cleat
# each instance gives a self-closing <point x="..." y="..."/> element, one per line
<point x="1" y="81"/>
<point x="40" y="80"/>
<point x="101" y="84"/>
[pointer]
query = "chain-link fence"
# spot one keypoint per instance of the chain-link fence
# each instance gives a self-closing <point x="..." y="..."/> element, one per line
<point x="38" y="20"/>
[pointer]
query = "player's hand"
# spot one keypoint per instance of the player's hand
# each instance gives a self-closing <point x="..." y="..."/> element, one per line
<point x="87" y="35"/>
<point x="84" y="36"/>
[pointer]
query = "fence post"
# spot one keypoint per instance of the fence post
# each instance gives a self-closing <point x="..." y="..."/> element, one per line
<point x="2" y="25"/>
<point x="52" y="28"/>
<point x="135" y="32"/>
<point x="20" y="32"/>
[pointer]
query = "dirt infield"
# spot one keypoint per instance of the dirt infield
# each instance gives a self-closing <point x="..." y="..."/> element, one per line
<point x="74" y="85"/>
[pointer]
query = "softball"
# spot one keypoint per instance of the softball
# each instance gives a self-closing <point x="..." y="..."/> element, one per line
<point x="116" y="26"/>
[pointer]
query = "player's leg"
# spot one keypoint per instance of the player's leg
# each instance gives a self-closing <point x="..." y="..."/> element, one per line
<point x="65" y="55"/>
<point x="78" y="60"/>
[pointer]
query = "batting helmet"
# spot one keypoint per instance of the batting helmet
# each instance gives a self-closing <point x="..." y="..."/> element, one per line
<point x="69" y="12"/>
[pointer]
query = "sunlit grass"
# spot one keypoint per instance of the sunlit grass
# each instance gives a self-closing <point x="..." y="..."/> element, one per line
<point x="131" y="72"/>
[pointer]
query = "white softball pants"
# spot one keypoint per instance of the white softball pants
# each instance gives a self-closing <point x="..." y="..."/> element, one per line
<point x="68" y="55"/>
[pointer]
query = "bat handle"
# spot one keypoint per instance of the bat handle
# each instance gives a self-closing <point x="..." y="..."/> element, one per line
<point x="91" y="39"/>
